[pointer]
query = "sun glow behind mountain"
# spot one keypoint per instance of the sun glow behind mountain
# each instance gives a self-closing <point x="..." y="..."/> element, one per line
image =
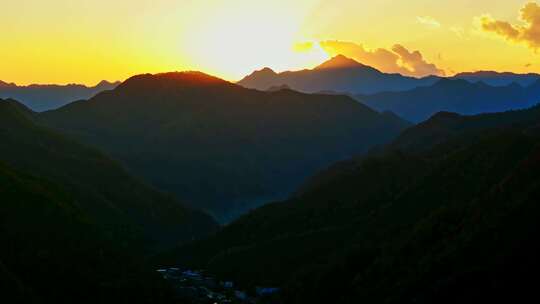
<point x="85" y="41"/>
<point x="261" y="35"/>
<point x="64" y="41"/>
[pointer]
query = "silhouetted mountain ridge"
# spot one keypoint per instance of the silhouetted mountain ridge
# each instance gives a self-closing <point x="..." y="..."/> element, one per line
<point x="218" y="145"/>
<point x="339" y="74"/>
<point x="446" y="126"/>
<point x="171" y="81"/>
<point x="42" y="97"/>
<point x="499" y="79"/>
<point x="343" y="74"/>
<point x="342" y="62"/>
<point x="5" y="84"/>
<point x="454" y="95"/>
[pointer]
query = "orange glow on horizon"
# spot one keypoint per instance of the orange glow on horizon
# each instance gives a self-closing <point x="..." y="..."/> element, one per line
<point x="82" y="41"/>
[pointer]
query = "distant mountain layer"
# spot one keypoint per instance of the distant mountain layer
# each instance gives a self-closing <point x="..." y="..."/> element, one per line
<point x="342" y="74"/>
<point x="446" y="127"/>
<point x="499" y="79"/>
<point x="339" y="74"/>
<point x="130" y="212"/>
<point x="6" y="85"/>
<point x="458" y="96"/>
<point x="217" y="145"/>
<point x="448" y="213"/>
<point x="47" y="97"/>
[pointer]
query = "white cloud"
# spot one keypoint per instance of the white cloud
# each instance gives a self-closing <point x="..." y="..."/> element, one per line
<point x="428" y="21"/>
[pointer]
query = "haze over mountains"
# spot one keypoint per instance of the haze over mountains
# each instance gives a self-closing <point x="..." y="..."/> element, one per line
<point x="218" y="146"/>
<point x="452" y="202"/>
<point x="410" y="98"/>
<point x="454" y="95"/>
<point x="499" y="79"/>
<point x="47" y="97"/>
<point x="347" y="76"/>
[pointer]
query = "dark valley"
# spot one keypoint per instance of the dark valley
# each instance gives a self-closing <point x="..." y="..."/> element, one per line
<point x="452" y="221"/>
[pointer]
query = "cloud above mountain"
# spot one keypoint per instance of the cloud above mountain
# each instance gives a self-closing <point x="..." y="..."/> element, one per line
<point x="397" y="60"/>
<point x="415" y="62"/>
<point x="528" y="33"/>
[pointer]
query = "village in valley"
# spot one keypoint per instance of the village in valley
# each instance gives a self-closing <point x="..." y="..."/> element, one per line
<point x="198" y="287"/>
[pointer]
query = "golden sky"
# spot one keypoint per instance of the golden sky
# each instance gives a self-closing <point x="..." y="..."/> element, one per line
<point x="85" y="41"/>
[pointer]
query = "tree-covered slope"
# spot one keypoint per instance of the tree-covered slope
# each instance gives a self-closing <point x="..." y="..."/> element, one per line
<point x="453" y="222"/>
<point x="127" y="209"/>
<point x="445" y="127"/>
<point x="53" y="253"/>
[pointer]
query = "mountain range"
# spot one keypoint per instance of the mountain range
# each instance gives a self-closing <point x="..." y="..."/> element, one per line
<point x="218" y="146"/>
<point x="47" y="97"/>
<point x="413" y="99"/>
<point x="499" y="79"/>
<point x="453" y="221"/>
<point x="454" y="95"/>
<point x="339" y="74"/>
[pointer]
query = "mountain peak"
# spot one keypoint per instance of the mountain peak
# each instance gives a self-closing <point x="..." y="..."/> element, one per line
<point x="172" y="80"/>
<point x="339" y="62"/>
<point x="339" y="74"/>
<point x="107" y="84"/>
<point x="477" y="73"/>
<point x="261" y="79"/>
<point x="264" y="72"/>
<point x="6" y="85"/>
<point x="267" y="70"/>
<point x="194" y="77"/>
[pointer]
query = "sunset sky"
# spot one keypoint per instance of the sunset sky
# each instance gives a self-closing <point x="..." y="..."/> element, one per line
<point x="85" y="41"/>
